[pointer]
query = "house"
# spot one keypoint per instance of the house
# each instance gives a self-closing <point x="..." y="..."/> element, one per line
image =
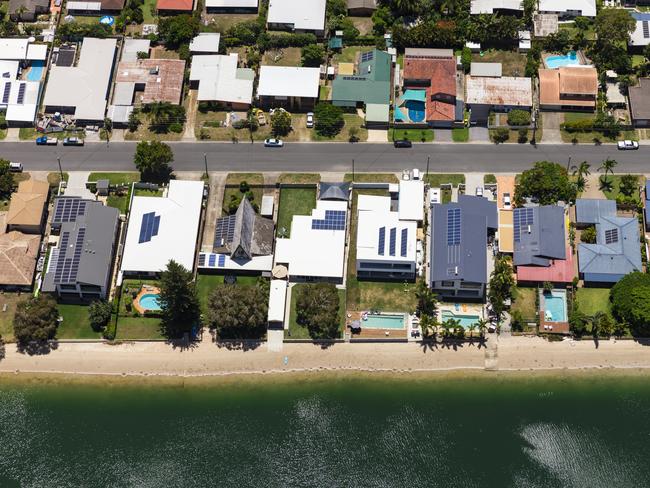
<point x="23" y="50"/>
<point x="243" y="242"/>
<point x="361" y="8"/>
<point x="369" y="86"/>
<point x="20" y="98"/>
<point x="334" y="191"/>
<point x="568" y="9"/>
<point x="218" y="79"/>
<point x="27" y="10"/>
<point x="639" y="97"/>
<point x="163" y="228"/>
<point x="83" y="90"/>
<point x="545" y="24"/>
<point x="504" y="7"/>
<point x="458" y="247"/>
<point x="641" y="35"/>
<point x="27" y="207"/>
<point x="18" y="254"/>
<point x="386" y="245"/>
<point x="486" y="94"/>
<point x="167" y="7"/>
<point x="205" y="43"/>
<point x="231" y="6"/>
<point x="616" y="251"/>
<point x="102" y="7"/>
<point x="288" y="87"/>
<point x="429" y="94"/>
<point x="297" y="16"/>
<point x="80" y="266"/>
<point x="315" y="250"/>
<point x="568" y="88"/>
<point x="131" y="47"/>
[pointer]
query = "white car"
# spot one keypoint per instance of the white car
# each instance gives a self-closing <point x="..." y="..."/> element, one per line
<point x="628" y="145"/>
<point x="16" y="167"/>
<point x="273" y="143"/>
<point x="479" y="191"/>
<point x="507" y="203"/>
<point x="310" y="120"/>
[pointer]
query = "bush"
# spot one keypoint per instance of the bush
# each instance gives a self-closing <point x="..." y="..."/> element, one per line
<point x="99" y="314"/>
<point x="176" y="127"/>
<point x="313" y="55"/>
<point x="110" y="331"/>
<point x="518" y="118"/>
<point x="466" y="59"/>
<point x="588" y="235"/>
<point x="522" y="136"/>
<point x="317" y="308"/>
<point x="631" y="302"/>
<point x="546" y="183"/>
<point x="501" y="134"/>
<point x="329" y="119"/>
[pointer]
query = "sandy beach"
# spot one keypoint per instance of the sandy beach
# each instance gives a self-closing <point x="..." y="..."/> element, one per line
<point x="208" y="359"/>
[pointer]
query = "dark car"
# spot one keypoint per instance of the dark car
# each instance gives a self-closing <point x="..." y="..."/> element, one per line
<point x="73" y="141"/>
<point x="402" y="143"/>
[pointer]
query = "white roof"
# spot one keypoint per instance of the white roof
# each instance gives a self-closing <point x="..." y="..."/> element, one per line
<point x="133" y="46"/>
<point x="178" y="225"/>
<point x="231" y="3"/>
<point x="505" y="91"/>
<point x="123" y="93"/>
<point x="13" y="48"/>
<point x="23" y="110"/>
<point x="37" y="52"/>
<point x="9" y="68"/>
<point x="375" y="214"/>
<point x="587" y="7"/>
<point x="411" y="200"/>
<point x="301" y="14"/>
<point x="85" y="86"/>
<point x="119" y="113"/>
<point x="312" y="252"/>
<point x="287" y="81"/>
<point x="277" y="300"/>
<point x="489" y="6"/>
<point x="84" y="6"/>
<point x="206" y="42"/>
<point x="268" y="202"/>
<point x="220" y="79"/>
<point x="638" y="38"/>
<point x="486" y="69"/>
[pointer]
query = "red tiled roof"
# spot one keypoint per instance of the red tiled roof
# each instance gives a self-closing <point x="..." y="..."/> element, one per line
<point x="560" y="271"/>
<point x="175" y="5"/>
<point x="442" y="76"/>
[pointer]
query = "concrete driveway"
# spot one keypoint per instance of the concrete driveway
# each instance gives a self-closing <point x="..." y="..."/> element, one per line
<point x="472" y="182"/>
<point x="551" y="123"/>
<point x="480" y="134"/>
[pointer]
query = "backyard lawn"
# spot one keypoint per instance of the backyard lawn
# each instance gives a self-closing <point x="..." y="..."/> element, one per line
<point x="513" y="63"/>
<point x="205" y="283"/>
<point x="235" y="179"/>
<point x="525" y="303"/>
<point x="149" y="12"/>
<point x="7" y="317"/>
<point x="288" y="56"/>
<point x="349" y="54"/>
<point x="75" y="323"/>
<point x="116" y="178"/>
<point x="294" y="201"/>
<point x="592" y="300"/>
<point x="296" y="331"/>
<point x="143" y="328"/>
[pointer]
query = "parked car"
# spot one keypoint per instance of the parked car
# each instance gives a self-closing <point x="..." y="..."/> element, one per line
<point x="273" y="143"/>
<point x="402" y="143"/>
<point x="628" y="145"/>
<point x="479" y="191"/>
<point x="507" y="203"/>
<point x="46" y="141"/>
<point x="73" y="141"/>
<point x="310" y="120"/>
<point x="16" y="167"/>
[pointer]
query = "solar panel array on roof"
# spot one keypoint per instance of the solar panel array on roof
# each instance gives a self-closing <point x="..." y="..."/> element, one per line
<point x="21" y="92"/>
<point x="522" y="218"/>
<point x="334" y="220"/>
<point x="382" y="241"/>
<point x="68" y="257"/>
<point x="67" y="209"/>
<point x="453" y="226"/>
<point x="392" y="244"/>
<point x="5" y="95"/>
<point x="404" y="242"/>
<point x="225" y="230"/>
<point x="201" y="259"/>
<point x="368" y="56"/>
<point x="211" y="260"/>
<point x="646" y="30"/>
<point x="149" y="227"/>
<point x="611" y="236"/>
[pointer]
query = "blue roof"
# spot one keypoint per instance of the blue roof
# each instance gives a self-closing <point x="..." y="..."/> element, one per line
<point x="590" y="210"/>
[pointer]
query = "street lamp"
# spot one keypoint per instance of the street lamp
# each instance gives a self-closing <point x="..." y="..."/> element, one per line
<point x="352" y="170"/>
<point x="205" y="160"/>
<point x="58" y="160"/>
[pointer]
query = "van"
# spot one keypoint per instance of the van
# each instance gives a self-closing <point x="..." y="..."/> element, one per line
<point x="415" y="174"/>
<point x="16" y="167"/>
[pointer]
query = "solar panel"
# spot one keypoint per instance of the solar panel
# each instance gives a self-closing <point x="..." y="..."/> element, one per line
<point x="646" y="30"/>
<point x="611" y="236"/>
<point x="149" y="227"/>
<point x="404" y="242"/>
<point x="522" y="218"/>
<point x="5" y="95"/>
<point x="367" y="56"/>
<point x="225" y="230"/>
<point x="334" y="220"/>
<point x="212" y="259"/>
<point x="222" y="260"/>
<point x="21" y="92"/>
<point x="453" y="226"/>
<point x="202" y="259"/>
<point x="391" y="243"/>
<point x="68" y="257"/>
<point x="67" y="209"/>
<point x="382" y="241"/>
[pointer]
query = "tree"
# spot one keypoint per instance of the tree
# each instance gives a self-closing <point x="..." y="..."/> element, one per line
<point x="179" y="303"/>
<point x="630" y="299"/>
<point x="6" y="180"/>
<point x="36" y="319"/>
<point x="238" y="312"/>
<point x="500" y="288"/>
<point x="99" y="314"/>
<point x="629" y="185"/>
<point x="546" y="183"/>
<point x="578" y="322"/>
<point x="134" y="120"/>
<point x="178" y="29"/>
<point x="153" y="159"/>
<point x="581" y="172"/>
<point x="329" y="119"/>
<point x="317" y="308"/>
<point x="466" y="59"/>
<point x="518" y="117"/>
<point x="601" y="324"/>
<point x="614" y="25"/>
<point x="164" y="115"/>
<point x="281" y="122"/>
<point x="607" y="167"/>
<point x="382" y="20"/>
<point x="312" y="55"/>
<point x="588" y="235"/>
<point x="500" y="134"/>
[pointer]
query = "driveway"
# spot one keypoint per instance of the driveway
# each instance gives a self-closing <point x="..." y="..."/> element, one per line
<point x="480" y="134"/>
<point x="472" y="182"/>
<point x="443" y="135"/>
<point x="551" y="122"/>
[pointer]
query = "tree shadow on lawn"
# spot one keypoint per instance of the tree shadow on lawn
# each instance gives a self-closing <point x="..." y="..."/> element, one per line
<point x="37" y="348"/>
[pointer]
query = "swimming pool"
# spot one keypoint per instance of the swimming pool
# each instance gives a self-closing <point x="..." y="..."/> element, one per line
<point x="555" y="306"/>
<point x="568" y="59"/>
<point x="383" y="321"/>
<point x="465" y="320"/>
<point x="149" y="301"/>
<point x="36" y="71"/>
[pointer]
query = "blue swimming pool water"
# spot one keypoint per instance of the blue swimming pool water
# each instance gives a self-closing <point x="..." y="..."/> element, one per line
<point x="383" y="322"/>
<point x="570" y="58"/>
<point x="150" y="301"/>
<point x="465" y="320"/>
<point x="36" y="71"/>
<point x="416" y="110"/>
<point x="555" y="303"/>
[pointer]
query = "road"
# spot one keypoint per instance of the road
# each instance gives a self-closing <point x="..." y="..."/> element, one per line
<point x="337" y="157"/>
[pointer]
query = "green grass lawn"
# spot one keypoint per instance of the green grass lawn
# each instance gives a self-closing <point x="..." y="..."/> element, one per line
<point x="7" y="318"/>
<point x="587" y="137"/>
<point x="205" y="283"/>
<point x="351" y="120"/>
<point x="288" y="56"/>
<point x="384" y="296"/>
<point x="143" y="328"/>
<point x="489" y="179"/>
<point x="349" y="54"/>
<point x="324" y="92"/>
<point x="294" y="201"/>
<point x="372" y="177"/>
<point x="460" y="135"/>
<point x="525" y="303"/>
<point x="297" y="331"/>
<point x="75" y="323"/>
<point x="415" y="135"/>
<point x="149" y="12"/>
<point x="437" y="179"/>
<point x="143" y="192"/>
<point x="592" y="300"/>
<point x="119" y="202"/>
<point x="616" y="187"/>
<point x="235" y="179"/>
<point x="116" y="178"/>
<point x="513" y="63"/>
<point x="299" y="178"/>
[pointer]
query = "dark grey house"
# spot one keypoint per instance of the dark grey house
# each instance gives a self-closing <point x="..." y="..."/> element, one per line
<point x="80" y="266"/>
<point x="244" y="234"/>
<point x="334" y="191"/>
<point x="459" y="235"/>
<point x="639" y="97"/>
<point x="616" y="251"/>
<point x="539" y="235"/>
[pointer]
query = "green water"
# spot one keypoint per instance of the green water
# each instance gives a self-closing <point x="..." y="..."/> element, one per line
<point x="585" y="432"/>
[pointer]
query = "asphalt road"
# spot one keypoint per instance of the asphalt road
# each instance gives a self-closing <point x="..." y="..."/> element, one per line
<point x="314" y="157"/>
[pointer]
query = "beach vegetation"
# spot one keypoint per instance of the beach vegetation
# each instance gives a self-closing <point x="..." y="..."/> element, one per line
<point x="630" y="299"/>
<point x="179" y="302"/>
<point x="153" y="160"/>
<point x="578" y="322"/>
<point x="99" y="314"/>
<point x="426" y="307"/>
<point x="36" y="319"/>
<point x="238" y="312"/>
<point x="317" y="309"/>
<point x="546" y="183"/>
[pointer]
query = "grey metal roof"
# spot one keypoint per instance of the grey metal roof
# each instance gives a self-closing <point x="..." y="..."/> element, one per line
<point x="334" y="191"/>
<point x="459" y="239"/>
<point x="249" y="234"/>
<point x="539" y="240"/>
<point x="589" y="210"/>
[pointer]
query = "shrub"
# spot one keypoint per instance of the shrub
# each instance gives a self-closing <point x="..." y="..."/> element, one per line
<point x="522" y="136"/>
<point x="519" y="117"/>
<point x="329" y="119"/>
<point x="501" y="134"/>
<point x="588" y="235"/>
<point x="176" y="127"/>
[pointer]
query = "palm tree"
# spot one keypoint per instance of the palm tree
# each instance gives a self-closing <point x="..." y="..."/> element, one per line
<point x="471" y="328"/>
<point x="482" y="325"/>
<point x="597" y="320"/>
<point x="581" y="171"/>
<point x="608" y="166"/>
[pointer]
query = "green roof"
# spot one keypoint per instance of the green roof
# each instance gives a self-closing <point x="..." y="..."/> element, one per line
<point x="370" y="84"/>
<point x="335" y="43"/>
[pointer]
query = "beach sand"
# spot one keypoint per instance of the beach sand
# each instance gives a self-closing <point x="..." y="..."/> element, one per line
<point x="210" y="360"/>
